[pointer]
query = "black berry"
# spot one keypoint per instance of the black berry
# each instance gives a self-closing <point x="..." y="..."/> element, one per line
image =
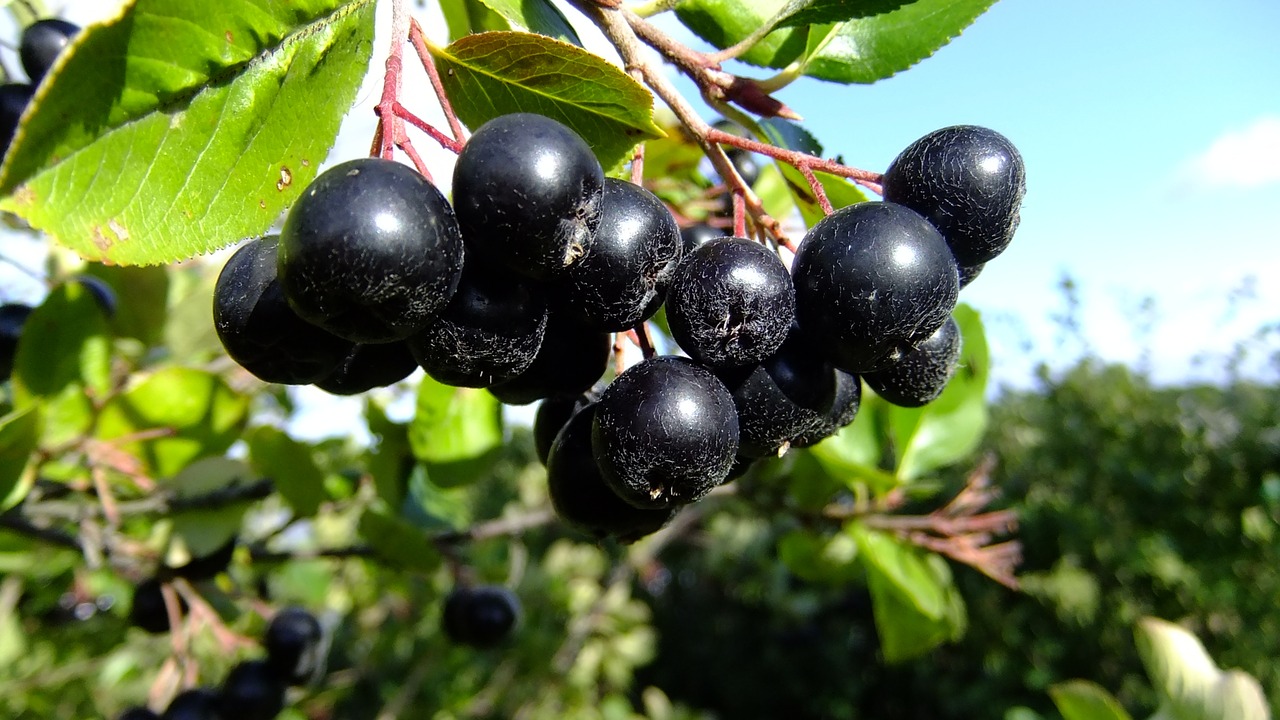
<point x="194" y="704"/>
<point x="370" y="366"/>
<point x="137" y="713"/>
<point x="527" y="191"/>
<point x="920" y="376"/>
<point x="251" y="691"/>
<point x="872" y="281"/>
<point x="42" y="42"/>
<point x="966" y="180"/>
<point x="14" y="98"/>
<point x="695" y="235"/>
<point x="481" y="617"/>
<point x="370" y="252"/>
<point x="665" y="433"/>
<point x="260" y="330"/>
<point x="730" y="303"/>
<point x="843" y="409"/>
<point x="552" y="415"/>
<point x="12" y="317"/>
<point x="623" y="277"/>
<point x="571" y="359"/>
<point x="294" y="647"/>
<point x="148" y="610"/>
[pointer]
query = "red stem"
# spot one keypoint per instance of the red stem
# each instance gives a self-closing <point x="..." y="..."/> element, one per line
<point x="420" y="45"/>
<point x="818" y="191"/>
<point x="445" y="141"/>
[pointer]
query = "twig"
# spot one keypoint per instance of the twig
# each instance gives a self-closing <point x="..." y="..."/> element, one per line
<point x="418" y="40"/>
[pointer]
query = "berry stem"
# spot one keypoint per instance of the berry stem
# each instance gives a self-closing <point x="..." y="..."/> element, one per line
<point x="390" y="128"/>
<point x="424" y="55"/>
<point x="819" y="192"/>
<point x="739" y="215"/>
<point x="637" y="166"/>
<point x="445" y="141"/>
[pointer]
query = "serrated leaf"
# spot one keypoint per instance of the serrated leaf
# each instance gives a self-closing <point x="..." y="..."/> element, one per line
<point x="177" y="128"/>
<point x="19" y="432"/>
<point x="867" y="49"/>
<point x="1084" y="700"/>
<point x="951" y="427"/>
<point x="830" y="11"/>
<point x="292" y="465"/>
<point x="199" y="414"/>
<point x="465" y="17"/>
<point x="725" y="22"/>
<point x="537" y="16"/>
<point x="498" y="73"/>
<point x="398" y="542"/>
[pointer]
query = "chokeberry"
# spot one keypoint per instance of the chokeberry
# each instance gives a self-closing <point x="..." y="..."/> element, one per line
<point x="370" y="366"/>
<point x="481" y="617"/>
<point x="921" y="375"/>
<point x="12" y="317"/>
<point x="294" y="645"/>
<point x="571" y="359"/>
<point x="842" y="411"/>
<point x="137" y="713"/>
<point x="370" y="252"/>
<point x="552" y="415"/>
<point x="695" y="235"/>
<point x="148" y="610"/>
<point x="194" y="704"/>
<point x="251" y="691"/>
<point x="41" y="44"/>
<point x="14" y="98"/>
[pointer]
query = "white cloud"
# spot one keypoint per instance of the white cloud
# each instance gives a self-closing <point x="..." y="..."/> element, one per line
<point x="1242" y="158"/>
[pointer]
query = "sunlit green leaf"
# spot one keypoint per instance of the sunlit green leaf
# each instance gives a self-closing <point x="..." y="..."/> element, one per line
<point x="455" y="431"/>
<point x="177" y="128"/>
<point x="830" y="11"/>
<point x="724" y="22"/>
<point x="205" y="530"/>
<point x="903" y="569"/>
<point x="142" y="295"/>
<point x="538" y="16"/>
<point x="291" y="464"/>
<point x="1085" y="700"/>
<point x="398" y="542"/>
<point x="65" y="344"/>
<point x="1189" y="682"/>
<point x="391" y="457"/>
<point x="187" y="414"/>
<point x="818" y="558"/>
<point x="913" y="596"/>
<point x="19" y="432"/>
<point x="497" y="73"/>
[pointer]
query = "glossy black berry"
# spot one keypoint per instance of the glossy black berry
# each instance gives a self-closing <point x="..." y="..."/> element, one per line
<point x="872" y="281"/>
<point x="665" y="432"/>
<point x="42" y="42"/>
<point x="14" y="98"/>
<point x="920" y="376"/>
<point x="730" y="303"/>
<point x="571" y="359"/>
<point x="370" y="252"/>
<point x="623" y="277"/>
<point x="294" y="645"/>
<point x="12" y="317"/>
<point x="370" y="366"/>
<point x="527" y="191"/>
<point x="260" y="330"/>
<point x="137" y="713"/>
<point x="842" y="411"/>
<point x="101" y="292"/>
<point x="194" y="704"/>
<point x="148" y="610"/>
<point x="251" y="691"/>
<point x="489" y="333"/>
<point x="695" y="235"/>
<point x="580" y="496"/>
<point x="552" y="415"/>
<point x="966" y="180"/>
<point x="969" y="273"/>
<point x="481" y="617"/>
<point x="786" y="395"/>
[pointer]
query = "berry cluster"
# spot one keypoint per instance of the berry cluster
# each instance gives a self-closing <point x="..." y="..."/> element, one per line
<point x="254" y="689"/>
<point x="517" y="284"/>
<point x="41" y="44"/>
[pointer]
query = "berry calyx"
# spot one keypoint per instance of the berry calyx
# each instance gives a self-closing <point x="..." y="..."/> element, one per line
<point x="873" y="280"/>
<point x="370" y="252"/>
<point x="968" y="181"/>
<point x="527" y="191"/>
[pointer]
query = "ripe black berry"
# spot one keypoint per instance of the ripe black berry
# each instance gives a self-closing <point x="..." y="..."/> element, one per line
<point x="14" y="98"/>
<point x="623" y="277"/>
<point x="370" y="252"/>
<point x="258" y="328"/>
<point x="695" y="235"/>
<point x="481" y="617"/>
<point x="251" y="691"/>
<point x="572" y="358"/>
<point x="42" y="42"/>
<point x="873" y="280"/>
<point x="101" y="292"/>
<point x="552" y="415"/>
<point x="969" y="273"/>
<point x="581" y="497"/>
<point x="920" y="376"/>
<point x="12" y="317"/>
<point x="843" y="409"/>
<point x="665" y="433"/>
<point x="294" y="647"/>
<point x="527" y="191"/>
<point x="194" y="704"/>
<point x="490" y="332"/>
<point x="966" y="180"/>
<point x="730" y="303"/>
<point x="789" y="393"/>
<point x="148" y="610"/>
<point x="370" y="366"/>
<point x="137" y="713"/>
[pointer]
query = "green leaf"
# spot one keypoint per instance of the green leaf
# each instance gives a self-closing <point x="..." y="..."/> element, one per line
<point x="177" y="128"/>
<point x="142" y="295"/>
<point x="19" y="432"/>
<point x="206" y="530"/>
<point x="398" y="542"/>
<point x="455" y="432"/>
<point x="867" y="49"/>
<point x="902" y="571"/>
<point x="724" y="22"/>
<point x="1189" y="682"/>
<point x="65" y="345"/>
<point x="432" y="506"/>
<point x="951" y="427"/>
<point x="201" y="415"/>
<point x="291" y="465"/>
<point x="391" y="458"/>
<point x="537" y="16"/>
<point x="829" y="560"/>
<point x="497" y="73"/>
<point x="464" y="17"/>
<point x="852" y="455"/>
<point x="1085" y="700"/>
<point x="830" y="11"/>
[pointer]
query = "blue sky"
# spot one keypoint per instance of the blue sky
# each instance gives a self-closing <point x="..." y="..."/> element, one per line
<point x="1151" y="134"/>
